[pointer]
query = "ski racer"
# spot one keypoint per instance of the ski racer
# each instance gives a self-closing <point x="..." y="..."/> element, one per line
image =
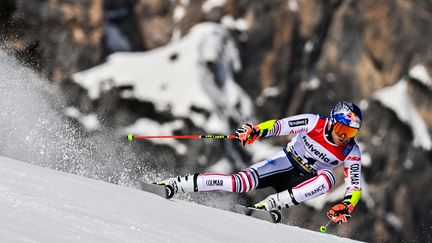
<point x="302" y="170"/>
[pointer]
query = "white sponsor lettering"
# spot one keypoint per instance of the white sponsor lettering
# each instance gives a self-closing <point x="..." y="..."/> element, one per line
<point x="315" y="151"/>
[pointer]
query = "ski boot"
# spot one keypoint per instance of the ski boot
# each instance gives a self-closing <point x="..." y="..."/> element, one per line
<point x="272" y="204"/>
<point x="277" y="217"/>
<point x="183" y="184"/>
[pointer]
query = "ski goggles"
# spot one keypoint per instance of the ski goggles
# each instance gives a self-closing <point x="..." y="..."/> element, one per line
<point x="342" y="129"/>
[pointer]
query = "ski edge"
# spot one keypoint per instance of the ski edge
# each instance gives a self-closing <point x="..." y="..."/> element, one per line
<point x="161" y="190"/>
<point x="270" y="216"/>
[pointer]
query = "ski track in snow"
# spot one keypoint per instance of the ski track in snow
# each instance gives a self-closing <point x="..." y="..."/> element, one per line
<point x="42" y="205"/>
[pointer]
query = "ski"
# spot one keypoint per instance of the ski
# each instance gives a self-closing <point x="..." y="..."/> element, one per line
<point x="161" y="190"/>
<point x="168" y="192"/>
<point x="271" y="216"/>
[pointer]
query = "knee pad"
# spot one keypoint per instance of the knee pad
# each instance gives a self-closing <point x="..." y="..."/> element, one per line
<point x="328" y="175"/>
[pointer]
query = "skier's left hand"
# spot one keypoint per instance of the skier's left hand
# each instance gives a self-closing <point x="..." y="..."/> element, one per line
<point x="340" y="213"/>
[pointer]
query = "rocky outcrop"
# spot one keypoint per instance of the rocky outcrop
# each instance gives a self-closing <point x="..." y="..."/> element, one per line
<point x="297" y="56"/>
<point x="56" y="37"/>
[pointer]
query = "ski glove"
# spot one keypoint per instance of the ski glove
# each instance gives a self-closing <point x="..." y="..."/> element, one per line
<point x="247" y="133"/>
<point x="340" y="213"/>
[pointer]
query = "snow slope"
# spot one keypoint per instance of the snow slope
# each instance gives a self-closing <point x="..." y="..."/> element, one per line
<point x="43" y="205"/>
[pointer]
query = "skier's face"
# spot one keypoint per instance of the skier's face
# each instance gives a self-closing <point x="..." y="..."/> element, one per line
<point x="339" y="139"/>
<point x="345" y="130"/>
<point x="342" y="133"/>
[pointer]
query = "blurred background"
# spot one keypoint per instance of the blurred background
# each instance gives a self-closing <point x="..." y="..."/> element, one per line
<point x="78" y="75"/>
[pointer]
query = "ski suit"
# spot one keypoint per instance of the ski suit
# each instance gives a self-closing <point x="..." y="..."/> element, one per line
<point x="302" y="170"/>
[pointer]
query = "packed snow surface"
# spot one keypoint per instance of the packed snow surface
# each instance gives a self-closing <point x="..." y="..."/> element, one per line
<point x="44" y="205"/>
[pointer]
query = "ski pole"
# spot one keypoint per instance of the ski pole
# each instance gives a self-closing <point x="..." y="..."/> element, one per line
<point x="215" y="136"/>
<point x="323" y="228"/>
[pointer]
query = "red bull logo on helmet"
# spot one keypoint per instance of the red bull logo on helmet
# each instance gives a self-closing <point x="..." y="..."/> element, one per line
<point x="354" y="120"/>
<point x="347" y="113"/>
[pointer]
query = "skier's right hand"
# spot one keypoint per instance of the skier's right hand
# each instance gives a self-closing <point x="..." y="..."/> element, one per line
<point x="247" y="133"/>
<point x="340" y="213"/>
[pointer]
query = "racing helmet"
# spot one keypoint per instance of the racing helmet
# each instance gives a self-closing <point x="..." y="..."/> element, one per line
<point x="346" y="118"/>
